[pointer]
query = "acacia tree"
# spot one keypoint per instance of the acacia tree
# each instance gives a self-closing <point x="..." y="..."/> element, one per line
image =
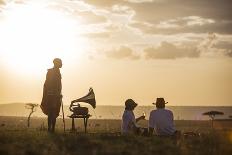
<point x="32" y="107"/>
<point x="212" y="115"/>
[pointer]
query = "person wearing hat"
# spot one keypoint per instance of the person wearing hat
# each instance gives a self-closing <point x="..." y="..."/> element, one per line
<point x="128" y="119"/>
<point x="161" y="119"/>
<point x="51" y="100"/>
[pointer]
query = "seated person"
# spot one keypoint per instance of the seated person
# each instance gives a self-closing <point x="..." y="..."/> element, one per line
<point x="161" y="120"/>
<point x="128" y="119"/>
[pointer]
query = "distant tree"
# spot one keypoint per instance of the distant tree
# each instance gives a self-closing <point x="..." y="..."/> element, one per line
<point x="212" y="115"/>
<point x="32" y="107"/>
<point x="230" y="116"/>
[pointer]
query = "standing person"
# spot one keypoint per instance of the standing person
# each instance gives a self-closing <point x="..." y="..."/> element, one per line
<point x="52" y="97"/>
<point x="128" y="119"/>
<point x="161" y="120"/>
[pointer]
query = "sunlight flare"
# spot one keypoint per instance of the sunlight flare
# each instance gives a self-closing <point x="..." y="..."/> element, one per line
<point x="32" y="35"/>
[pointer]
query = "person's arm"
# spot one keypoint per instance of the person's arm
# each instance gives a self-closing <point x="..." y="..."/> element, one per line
<point x="57" y="83"/>
<point x="139" y="118"/>
<point x="151" y="124"/>
<point x="132" y="125"/>
<point x="172" y="119"/>
<point x="172" y="116"/>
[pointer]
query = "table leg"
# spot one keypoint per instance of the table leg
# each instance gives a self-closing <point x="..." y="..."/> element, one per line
<point x="73" y="125"/>
<point x="85" y="123"/>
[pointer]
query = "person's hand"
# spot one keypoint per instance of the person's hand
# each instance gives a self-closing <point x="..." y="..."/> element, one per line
<point x="142" y="117"/>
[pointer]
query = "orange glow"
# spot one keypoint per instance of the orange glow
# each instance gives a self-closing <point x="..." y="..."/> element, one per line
<point x="230" y="137"/>
<point x="32" y="35"/>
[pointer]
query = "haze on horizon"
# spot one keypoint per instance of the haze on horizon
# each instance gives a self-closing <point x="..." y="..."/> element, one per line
<point x="142" y="49"/>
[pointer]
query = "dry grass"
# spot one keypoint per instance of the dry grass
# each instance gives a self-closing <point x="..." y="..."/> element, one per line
<point x="104" y="138"/>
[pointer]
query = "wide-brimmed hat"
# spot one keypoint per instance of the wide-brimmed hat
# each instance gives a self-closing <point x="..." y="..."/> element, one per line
<point x="130" y="103"/>
<point x="160" y="100"/>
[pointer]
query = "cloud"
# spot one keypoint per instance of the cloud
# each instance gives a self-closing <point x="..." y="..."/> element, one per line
<point x="229" y="53"/>
<point x="122" y="52"/>
<point x="122" y="9"/>
<point x="212" y="46"/>
<point x="2" y="2"/>
<point x="184" y="21"/>
<point x="223" y="45"/>
<point x="205" y="48"/>
<point x="113" y="23"/>
<point x="103" y="3"/>
<point x="226" y="46"/>
<point x="139" y="1"/>
<point x="160" y="10"/>
<point x="166" y="9"/>
<point x="120" y="15"/>
<point x="100" y="35"/>
<point x="208" y="42"/>
<point x="168" y="17"/>
<point x="190" y="24"/>
<point x="89" y="17"/>
<point x="170" y="51"/>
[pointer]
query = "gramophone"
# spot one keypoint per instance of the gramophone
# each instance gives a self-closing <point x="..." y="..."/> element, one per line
<point x="76" y="108"/>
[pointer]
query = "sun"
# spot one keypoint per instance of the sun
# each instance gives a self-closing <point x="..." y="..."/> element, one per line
<point x="32" y="35"/>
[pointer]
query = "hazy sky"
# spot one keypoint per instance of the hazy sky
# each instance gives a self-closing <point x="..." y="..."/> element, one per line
<point x="142" y="49"/>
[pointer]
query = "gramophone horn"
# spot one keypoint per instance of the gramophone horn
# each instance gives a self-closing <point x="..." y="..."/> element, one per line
<point x="89" y="98"/>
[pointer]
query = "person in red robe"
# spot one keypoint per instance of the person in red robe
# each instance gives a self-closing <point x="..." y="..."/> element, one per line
<point x="52" y="96"/>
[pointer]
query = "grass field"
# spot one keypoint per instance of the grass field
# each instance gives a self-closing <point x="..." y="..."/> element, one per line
<point x="104" y="138"/>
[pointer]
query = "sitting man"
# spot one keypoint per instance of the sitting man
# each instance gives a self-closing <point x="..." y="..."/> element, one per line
<point x="129" y="125"/>
<point x="161" y="120"/>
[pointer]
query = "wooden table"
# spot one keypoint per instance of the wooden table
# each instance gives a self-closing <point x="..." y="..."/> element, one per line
<point x="85" y="118"/>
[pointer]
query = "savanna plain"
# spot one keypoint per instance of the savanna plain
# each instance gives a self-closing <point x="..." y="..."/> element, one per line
<point x="103" y="137"/>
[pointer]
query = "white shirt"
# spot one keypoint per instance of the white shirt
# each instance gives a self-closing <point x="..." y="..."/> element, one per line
<point x="128" y="118"/>
<point x="162" y="121"/>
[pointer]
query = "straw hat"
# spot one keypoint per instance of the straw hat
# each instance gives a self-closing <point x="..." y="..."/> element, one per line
<point x="160" y="101"/>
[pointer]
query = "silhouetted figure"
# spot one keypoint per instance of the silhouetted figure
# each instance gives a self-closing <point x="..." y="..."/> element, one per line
<point x="52" y="96"/>
<point x="161" y="120"/>
<point x="129" y="123"/>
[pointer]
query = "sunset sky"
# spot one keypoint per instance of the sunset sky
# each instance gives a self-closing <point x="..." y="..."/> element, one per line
<point x="142" y="49"/>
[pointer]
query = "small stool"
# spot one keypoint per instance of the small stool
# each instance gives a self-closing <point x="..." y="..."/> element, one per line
<point x="85" y="118"/>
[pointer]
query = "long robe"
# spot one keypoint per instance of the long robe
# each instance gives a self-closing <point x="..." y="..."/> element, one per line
<point x="52" y="97"/>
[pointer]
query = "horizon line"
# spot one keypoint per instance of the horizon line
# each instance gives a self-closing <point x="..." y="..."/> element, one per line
<point x="138" y="105"/>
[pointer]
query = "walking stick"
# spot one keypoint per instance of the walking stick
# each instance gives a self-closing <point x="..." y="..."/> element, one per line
<point x="63" y="114"/>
